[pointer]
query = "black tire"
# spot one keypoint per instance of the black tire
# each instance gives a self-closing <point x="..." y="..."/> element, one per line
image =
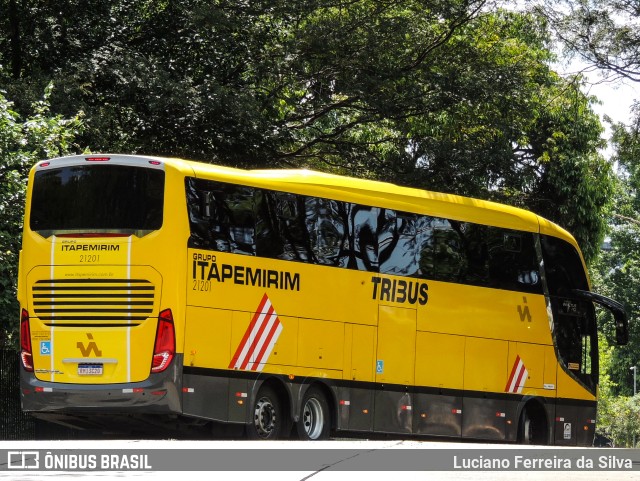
<point x="266" y="416"/>
<point x="314" y="423"/>
<point x="532" y="428"/>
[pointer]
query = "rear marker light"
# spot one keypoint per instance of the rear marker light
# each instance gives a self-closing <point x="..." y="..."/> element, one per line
<point x="165" y="346"/>
<point x="136" y="390"/>
<point x="25" y="342"/>
<point x="155" y="162"/>
<point x="45" y="164"/>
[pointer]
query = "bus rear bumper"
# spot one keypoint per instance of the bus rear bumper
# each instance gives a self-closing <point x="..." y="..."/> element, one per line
<point x="159" y="394"/>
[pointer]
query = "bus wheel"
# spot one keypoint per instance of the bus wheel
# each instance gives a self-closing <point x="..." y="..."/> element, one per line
<point x="267" y="416"/>
<point x="315" y="420"/>
<point x="533" y="427"/>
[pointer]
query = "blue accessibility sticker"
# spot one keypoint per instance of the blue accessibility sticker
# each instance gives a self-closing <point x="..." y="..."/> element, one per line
<point x="45" y="348"/>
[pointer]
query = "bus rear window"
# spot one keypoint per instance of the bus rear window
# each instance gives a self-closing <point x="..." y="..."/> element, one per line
<point x="97" y="199"/>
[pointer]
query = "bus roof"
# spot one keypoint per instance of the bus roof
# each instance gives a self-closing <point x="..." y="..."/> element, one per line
<point x="367" y="192"/>
<point x="384" y="194"/>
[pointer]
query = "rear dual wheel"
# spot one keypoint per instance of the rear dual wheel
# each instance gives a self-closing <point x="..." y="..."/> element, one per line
<point x="314" y="422"/>
<point x="267" y="419"/>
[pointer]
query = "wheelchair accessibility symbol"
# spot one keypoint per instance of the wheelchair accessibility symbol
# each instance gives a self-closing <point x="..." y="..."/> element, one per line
<point x="45" y="348"/>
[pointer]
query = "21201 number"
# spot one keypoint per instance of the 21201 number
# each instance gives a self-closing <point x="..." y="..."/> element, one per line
<point x="202" y="286"/>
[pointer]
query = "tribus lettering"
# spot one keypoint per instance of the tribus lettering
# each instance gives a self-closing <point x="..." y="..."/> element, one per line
<point x="398" y="290"/>
<point x="247" y="276"/>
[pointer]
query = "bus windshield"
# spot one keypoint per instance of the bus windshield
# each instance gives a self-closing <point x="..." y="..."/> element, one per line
<point x="574" y="317"/>
<point x="97" y="199"/>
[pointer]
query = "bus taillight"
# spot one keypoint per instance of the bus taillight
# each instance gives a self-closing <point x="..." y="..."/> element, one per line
<point x="25" y="342"/>
<point x="165" y="346"/>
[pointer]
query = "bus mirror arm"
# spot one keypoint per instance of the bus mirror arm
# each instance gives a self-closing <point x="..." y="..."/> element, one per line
<point x="617" y="309"/>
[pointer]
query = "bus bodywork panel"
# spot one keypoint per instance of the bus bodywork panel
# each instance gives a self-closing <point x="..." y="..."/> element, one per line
<point x="394" y="341"/>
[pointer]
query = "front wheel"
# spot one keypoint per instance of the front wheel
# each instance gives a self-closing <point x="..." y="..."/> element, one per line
<point x="315" y="420"/>
<point x="533" y="427"/>
<point x="266" y="422"/>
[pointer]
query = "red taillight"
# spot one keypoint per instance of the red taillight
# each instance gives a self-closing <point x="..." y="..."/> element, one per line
<point x="165" y="346"/>
<point x="97" y="159"/>
<point x="25" y="342"/>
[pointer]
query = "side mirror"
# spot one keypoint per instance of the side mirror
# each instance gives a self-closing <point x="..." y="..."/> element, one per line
<point x="617" y="309"/>
<point x="622" y="328"/>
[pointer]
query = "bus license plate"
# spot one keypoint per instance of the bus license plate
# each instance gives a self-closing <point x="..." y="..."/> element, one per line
<point x="90" y="369"/>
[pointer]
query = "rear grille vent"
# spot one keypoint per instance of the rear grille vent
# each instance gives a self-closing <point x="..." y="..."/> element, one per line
<point x="93" y="302"/>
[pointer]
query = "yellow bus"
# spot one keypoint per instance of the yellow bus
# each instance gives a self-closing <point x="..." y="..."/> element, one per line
<point x="293" y="302"/>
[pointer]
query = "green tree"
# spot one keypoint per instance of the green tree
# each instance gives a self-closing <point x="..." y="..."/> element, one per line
<point x="451" y="95"/>
<point x="602" y="33"/>
<point x="22" y="143"/>
<point x="617" y="272"/>
<point x="618" y="416"/>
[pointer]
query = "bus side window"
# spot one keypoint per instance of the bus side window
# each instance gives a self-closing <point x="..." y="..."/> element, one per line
<point x="326" y="223"/>
<point x="442" y="256"/>
<point x="237" y="212"/>
<point x="221" y="216"/>
<point x="362" y="251"/>
<point x="281" y="231"/>
<point x="397" y="243"/>
<point x="199" y="206"/>
<point x="513" y="261"/>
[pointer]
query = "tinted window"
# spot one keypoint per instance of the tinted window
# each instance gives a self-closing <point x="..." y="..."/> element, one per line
<point x="279" y="225"/>
<point x="398" y="252"/>
<point x="562" y="266"/>
<point x="281" y="230"/>
<point x="97" y="198"/>
<point x="221" y="216"/>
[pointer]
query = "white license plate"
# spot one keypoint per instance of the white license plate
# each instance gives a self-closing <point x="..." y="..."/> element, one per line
<point x="90" y="369"/>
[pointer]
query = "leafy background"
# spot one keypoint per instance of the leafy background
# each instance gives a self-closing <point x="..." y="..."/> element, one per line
<point x="459" y="96"/>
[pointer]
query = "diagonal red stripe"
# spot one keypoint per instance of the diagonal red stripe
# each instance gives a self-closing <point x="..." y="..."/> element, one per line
<point x="521" y="373"/>
<point x="254" y="343"/>
<point x="247" y="333"/>
<point x="513" y="373"/>
<point x="267" y="341"/>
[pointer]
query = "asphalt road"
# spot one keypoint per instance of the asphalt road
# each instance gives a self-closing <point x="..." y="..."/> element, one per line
<point x="291" y="460"/>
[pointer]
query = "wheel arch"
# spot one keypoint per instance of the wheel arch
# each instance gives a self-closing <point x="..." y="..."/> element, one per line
<point x="329" y="395"/>
<point x="282" y="390"/>
<point x="540" y="412"/>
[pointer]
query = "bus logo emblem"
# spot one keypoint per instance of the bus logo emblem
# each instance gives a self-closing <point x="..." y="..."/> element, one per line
<point x="259" y="338"/>
<point x="524" y="311"/>
<point x="91" y="347"/>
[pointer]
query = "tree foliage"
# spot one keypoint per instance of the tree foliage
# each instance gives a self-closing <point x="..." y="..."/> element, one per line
<point x="450" y="95"/>
<point x="23" y="141"/>
<point x="618" y="268"/>
<point x="602" y="33"/>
